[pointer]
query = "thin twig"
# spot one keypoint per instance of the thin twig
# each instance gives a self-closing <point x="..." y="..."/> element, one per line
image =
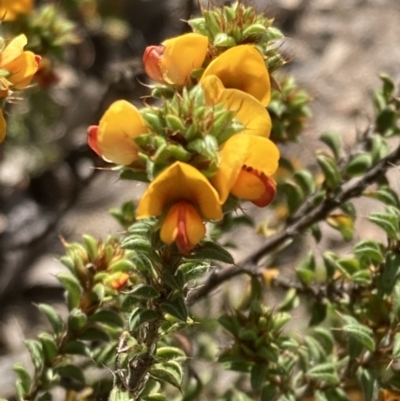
<point x="345" y="192"/>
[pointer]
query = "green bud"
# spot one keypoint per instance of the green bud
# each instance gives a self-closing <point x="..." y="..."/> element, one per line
<point x="237" y="34"/>
<point x="159" y="141"/>
<point x="153" y="120"/>
<point x="248" y="335"/>
<point x="211" y="22"/>
<point x="77" y="319"/>
<point x="91" y="246"/>
<point x="224" y="40"/>
<point x="175" y="123"/>
<point x="254" y="29"/>
<point x="122" y="265"/>
<point x="179" y="153"/>
<point x="198" y="25"/>
<point x="230" y="13"/>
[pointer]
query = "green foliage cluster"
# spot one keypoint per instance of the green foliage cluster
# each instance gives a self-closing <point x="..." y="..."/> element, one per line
<point x="130" y="332"/>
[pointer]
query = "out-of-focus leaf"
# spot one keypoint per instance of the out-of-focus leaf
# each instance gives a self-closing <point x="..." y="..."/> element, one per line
<point x="53" y="317"/>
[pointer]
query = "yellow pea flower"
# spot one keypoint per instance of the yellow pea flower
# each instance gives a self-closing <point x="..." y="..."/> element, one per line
<point x="249" y="111"/>
<point x="186" y="198"/>
<point x="113" y="137"/>
<point x="246" y="165"/>
<point x="174" y="61"/>
<point x="21" y="65"/>
<point x="242" y="67"/>
<point x="11" y="9"/>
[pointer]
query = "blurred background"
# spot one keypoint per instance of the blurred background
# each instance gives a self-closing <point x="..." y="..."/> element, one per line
<point x="52" y="185"/>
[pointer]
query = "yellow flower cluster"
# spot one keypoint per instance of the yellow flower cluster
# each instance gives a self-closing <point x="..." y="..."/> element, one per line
<point x="181" y="193"/>
<point x="17" y="67"/>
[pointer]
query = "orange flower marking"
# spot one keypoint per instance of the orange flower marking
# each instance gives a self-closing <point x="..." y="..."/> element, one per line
<point x="151" y="61"/>
<point x="118" y="280"/>
<point x="183" y="225"/>
<point x="186" y="198"/>
<point x="174" y="61"/>
<point x="254" y="186"/>
<point x="247" y="163"/>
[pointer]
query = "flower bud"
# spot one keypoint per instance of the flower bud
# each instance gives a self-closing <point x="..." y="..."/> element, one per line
<point x="151" y="62"/>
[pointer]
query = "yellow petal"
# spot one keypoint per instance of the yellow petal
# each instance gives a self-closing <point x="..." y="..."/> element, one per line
<point x="249" y="111"/>
<point x="180" y="181"/>
<point x="182" y="55"/>
<point x="3" y="126"/>
<point x="13" y="50"/>
<point x="241" y="150"/>
<point x="254" y="186"/>
<point x="183" y="225"/>
<point x="120" y="124"/>
<point x="9" y="9"/>
<point x="22" y="69"/>
<point x="242" y="67"/>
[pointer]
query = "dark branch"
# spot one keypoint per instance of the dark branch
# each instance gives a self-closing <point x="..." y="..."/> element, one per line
<point x="346" y="192"/>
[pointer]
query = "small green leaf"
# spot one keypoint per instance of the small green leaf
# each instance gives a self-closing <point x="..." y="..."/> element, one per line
<point x="369" y="383"/>
<point x="176" y="308"/>
<point x="73" y="288"/>
<point x="269" y="392"/>
<point x="387" y="222"/>
<point x="144" y="291"/>
<point x="53" y="317"/>
<point x="94" y="334"/>
<point x="76" y="348"/>
<point x="358" y="165"/>
<point x="24" y="377"/>
<point x="122" y="265"/>
<point x="108" y="317"/>
<point x="140" y="316"/>
<point x="99" y="291"/>
<point x="71" y="372"/>
<point x="294" y="195"/>
<point x="360" y="333"/>
<point x="318" y="314"/>
<point x="76" y="319"/>
<point x="324" y="372"/>
<point x="167" y="353"/>
<point x="384" y="194"/>
<point x="396" y="346"/>
<point x="330" y="171"/>
<point x="333" y="140"/>
<point x="119" y="395"/>
<point x="391" y="272"/>
<point x="211" y="250"/>
<point x="305" y="180"/>
<point x="194" y="270"/>
<point x="49" y="346"/>
<point x="343" y="223"/>
<point x="170" y="372"/>
<point x="370" y="250"/>
<point x="154" y="397"/>
<point x="258" y="374"/>
<point x="36" y="352"/>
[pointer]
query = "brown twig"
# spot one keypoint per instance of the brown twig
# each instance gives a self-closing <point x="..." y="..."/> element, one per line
<point x="344" y="193"/>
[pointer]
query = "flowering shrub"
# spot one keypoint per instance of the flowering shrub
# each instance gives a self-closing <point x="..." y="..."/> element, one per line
<point x="206" y="142"/>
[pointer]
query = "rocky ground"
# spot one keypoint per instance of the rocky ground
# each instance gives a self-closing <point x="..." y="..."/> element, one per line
<point x="337" y="49"/>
